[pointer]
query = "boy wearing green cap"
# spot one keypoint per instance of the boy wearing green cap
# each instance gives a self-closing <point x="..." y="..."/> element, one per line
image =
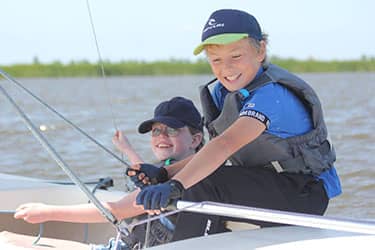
<point x="268" y="146"/>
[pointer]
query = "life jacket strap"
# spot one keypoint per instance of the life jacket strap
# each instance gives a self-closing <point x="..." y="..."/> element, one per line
<point x="276" y="165"/>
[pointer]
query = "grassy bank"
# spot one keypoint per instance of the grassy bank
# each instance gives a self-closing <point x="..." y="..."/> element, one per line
<point x="173" y="67"/>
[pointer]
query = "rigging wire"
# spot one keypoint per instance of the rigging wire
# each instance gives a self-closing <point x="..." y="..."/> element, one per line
<point x="106" y="86"/>
<point x="101" y="63"/>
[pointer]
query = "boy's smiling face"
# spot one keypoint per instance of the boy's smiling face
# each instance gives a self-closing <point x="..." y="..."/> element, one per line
<point x="177" y="147"/>
<point x="235" y="64"/>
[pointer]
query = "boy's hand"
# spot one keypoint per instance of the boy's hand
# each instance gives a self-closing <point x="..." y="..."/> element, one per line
<point x="158" y="197"/>
<point x="144" y="174"/>
<point x="120" y="141"/>
<point x="32" y="212"/>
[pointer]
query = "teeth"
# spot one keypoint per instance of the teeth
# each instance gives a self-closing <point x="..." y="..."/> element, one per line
<point x="163" y="146"/>
<point x="231" y="78"/>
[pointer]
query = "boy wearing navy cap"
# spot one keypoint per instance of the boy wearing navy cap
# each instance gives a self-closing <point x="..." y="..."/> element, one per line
<point x="176" y="132"/>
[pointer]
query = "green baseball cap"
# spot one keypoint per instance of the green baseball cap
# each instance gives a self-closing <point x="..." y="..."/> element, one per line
<point x="227" y="26"/>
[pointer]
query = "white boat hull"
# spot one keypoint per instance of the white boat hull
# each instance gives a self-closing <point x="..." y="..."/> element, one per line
<point x="280" y="238"/>
<point x="16" y="190"/>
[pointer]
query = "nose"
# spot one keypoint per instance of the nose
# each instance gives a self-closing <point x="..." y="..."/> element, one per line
<point x="227" y="65"/>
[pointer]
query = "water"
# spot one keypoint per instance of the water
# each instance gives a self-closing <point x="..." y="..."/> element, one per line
<point x="100" y="106"/>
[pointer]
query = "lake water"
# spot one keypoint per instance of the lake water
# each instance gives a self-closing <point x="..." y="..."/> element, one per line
<point x="99" y="106"/>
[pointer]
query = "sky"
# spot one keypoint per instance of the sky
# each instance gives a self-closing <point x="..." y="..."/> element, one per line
<point x="60" y="30"/>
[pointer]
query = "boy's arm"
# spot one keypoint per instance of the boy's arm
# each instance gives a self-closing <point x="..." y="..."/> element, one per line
<point x="83" y="213"/>
<point x="243" y="131"/>
<point x="177" y="166"/>
<point x="123" y="145"/>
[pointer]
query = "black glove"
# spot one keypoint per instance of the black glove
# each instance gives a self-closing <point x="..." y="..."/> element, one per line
<point x="160" y="196"/>
<point x="148" y="174"/>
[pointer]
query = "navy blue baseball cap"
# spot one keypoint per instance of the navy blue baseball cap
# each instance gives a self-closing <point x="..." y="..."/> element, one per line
<point x="227" y="26"/>
<point x="178" y="112"/>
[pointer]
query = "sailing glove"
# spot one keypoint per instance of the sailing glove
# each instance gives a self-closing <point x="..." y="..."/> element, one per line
<point x="148" y="174"/>
<point x="160" y="196"/>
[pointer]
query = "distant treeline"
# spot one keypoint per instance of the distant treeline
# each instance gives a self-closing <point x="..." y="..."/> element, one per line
<point x="172" y="67"/>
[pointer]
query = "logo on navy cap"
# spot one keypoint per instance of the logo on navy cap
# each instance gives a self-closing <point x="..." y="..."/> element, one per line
<point x="212" y="24"/>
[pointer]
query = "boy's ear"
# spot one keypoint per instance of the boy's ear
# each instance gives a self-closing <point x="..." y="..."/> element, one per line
<point x="197" y="139"/>
<point x="262" y="51"/>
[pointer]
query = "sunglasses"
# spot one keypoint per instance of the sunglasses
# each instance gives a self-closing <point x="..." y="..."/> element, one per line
<point x="170" y="132"/>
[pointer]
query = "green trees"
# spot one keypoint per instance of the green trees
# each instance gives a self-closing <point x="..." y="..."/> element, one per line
<point x="172" y="67"/>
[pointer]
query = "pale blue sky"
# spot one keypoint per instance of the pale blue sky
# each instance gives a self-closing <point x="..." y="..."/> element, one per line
<point x="158" y="30"/>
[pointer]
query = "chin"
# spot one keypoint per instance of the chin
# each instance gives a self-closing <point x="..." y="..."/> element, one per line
<point x="162" y="156"/>
<point x="235" y="86"/>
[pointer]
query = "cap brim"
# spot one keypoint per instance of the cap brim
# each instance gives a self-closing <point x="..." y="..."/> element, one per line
<point x="222" y="39"/>
<point x="171" y="122"/>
